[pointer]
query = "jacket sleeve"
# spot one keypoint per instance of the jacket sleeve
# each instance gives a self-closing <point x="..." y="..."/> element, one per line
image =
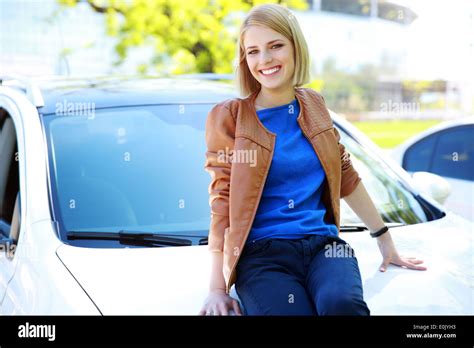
<point x="349" y="176"/>
<point x="220" y="135"/>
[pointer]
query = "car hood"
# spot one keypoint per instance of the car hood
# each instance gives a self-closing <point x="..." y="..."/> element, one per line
<point x="143" y="281"/>
<point x="174" y="280"/>
<point x="447" y="286"/>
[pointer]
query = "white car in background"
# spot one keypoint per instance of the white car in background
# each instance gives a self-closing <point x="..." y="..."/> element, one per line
<point x="447" y="150"/>
<point x="104" y="205"/>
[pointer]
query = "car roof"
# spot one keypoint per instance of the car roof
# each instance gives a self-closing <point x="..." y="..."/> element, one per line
<point x="467" y="120"/>
<point x="106" y="92"/>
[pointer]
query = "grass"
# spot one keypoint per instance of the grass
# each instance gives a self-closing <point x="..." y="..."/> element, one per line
<point x="389" y="134"/>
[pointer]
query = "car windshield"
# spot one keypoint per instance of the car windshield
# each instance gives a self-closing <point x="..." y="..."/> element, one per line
<point x="395" y="203"/>
<point x="142" y="169"/>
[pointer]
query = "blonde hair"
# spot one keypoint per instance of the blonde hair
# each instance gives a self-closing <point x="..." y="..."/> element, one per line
<point x="281" y="20"/>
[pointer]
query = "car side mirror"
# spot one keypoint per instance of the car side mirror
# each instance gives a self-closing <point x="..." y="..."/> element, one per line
<point x="433" y="185"/>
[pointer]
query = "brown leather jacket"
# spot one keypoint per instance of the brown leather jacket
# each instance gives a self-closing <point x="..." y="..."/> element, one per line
<point x="235" y="135"/>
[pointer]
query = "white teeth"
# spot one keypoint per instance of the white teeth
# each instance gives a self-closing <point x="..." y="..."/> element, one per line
<point x="270" y="71"/>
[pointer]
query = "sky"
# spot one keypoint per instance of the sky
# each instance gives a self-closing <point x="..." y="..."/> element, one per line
<point x="441" y="40"/>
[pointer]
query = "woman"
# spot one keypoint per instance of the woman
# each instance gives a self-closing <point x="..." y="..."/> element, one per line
<point x="278" y="172"/>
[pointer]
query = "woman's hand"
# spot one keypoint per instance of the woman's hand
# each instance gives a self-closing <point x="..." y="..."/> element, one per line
<point x="219" y="303"/>
<point x="390" y="255"/>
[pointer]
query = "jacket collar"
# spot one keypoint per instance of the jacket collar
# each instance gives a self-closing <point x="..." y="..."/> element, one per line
<point x="313" y="119"/>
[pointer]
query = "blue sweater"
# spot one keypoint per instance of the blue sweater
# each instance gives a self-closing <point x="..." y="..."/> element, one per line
<point x="291" y="205"/>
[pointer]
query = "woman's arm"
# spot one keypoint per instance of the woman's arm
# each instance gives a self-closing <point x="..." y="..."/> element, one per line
<point x="218" y="302"/>
<point x="361" y="203"/>
<point x="220" y="138"/>
<point x="354" y="193"/>
<point x="217" y="276"/>
<point x="220" y="135"/>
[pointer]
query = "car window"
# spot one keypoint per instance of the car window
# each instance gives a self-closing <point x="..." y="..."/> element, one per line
<point x="454" y="154"/>
<point x="394" y="202"/>
<point x="418" y="156"/>
<point x="10" y="214"/>
<point x="9" y="173"/>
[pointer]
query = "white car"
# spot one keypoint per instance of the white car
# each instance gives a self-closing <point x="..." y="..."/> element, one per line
<point x="104" y="205"/>
<point x="447" y="150"/>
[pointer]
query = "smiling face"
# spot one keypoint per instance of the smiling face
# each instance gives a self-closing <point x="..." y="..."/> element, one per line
<point x="270" y="57"/>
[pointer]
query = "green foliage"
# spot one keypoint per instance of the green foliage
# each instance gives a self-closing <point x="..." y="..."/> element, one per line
<point x="348" y="91"/>
<point x="186" y="36"/>
<point x="389" y="134"/>
<point x="316" y="84"/>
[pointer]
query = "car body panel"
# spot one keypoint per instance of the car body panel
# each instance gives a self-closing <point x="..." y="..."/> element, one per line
<point x="112" y="92"/>
<point x="160" y="281"/>
<point x="461" y="199"/>
<point x="33" y="191"/>
<point x="42" y="285"/>
<point x="446" y="287"/>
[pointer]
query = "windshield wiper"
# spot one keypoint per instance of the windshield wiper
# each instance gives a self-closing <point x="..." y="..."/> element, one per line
<point x="359" y="228"/>
<point x="351" y="228"/>
<point x="126" y="237"/>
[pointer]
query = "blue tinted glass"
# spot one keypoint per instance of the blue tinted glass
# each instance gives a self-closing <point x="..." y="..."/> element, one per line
<point x="132" y="168"/>
<point x="418" y="156"/>
<point x="454" y="154"/>
<point x="394" y="202"/>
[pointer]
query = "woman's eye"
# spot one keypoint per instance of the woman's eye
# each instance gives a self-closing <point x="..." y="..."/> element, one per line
<point x="273" y="46"/>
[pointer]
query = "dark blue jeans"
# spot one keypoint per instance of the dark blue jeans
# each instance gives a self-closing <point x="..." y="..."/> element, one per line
<point x="316" y="275"/>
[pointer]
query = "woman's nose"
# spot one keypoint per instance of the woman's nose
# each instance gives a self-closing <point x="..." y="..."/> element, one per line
<point x="265" y="57"/>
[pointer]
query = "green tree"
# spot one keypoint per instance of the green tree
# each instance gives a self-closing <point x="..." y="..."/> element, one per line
<point x="347" y="91"/>
<point x="187" y="36"/>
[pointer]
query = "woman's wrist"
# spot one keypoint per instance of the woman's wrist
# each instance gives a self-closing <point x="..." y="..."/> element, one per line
<point x="217" y="290"/>
<point x="385" y="237"/>
<point x="379" y="232"/>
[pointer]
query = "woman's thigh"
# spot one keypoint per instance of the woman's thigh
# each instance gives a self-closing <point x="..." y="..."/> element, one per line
<point x="334" y="281"/>
<point x="267" y="286"/>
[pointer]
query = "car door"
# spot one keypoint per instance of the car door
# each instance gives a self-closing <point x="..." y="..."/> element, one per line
<point x="453" y="160"/>
<point x="9" y="199"/>
<point x="448" y="153"/>
<point x="453" y="154"/>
